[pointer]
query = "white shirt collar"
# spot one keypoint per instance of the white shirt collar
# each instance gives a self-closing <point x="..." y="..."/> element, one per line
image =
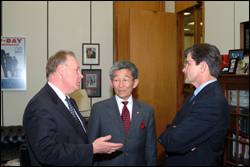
<point x="129" y="105"/>
<point x="119" y="100"/>
<point x="59" y="93"/>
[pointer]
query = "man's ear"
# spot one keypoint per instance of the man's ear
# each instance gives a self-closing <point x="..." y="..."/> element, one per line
<point x="60" y="69"/>
<point x="111" y="82"/>
<point x="204" y="66"/>
<point x="136" y="81"/>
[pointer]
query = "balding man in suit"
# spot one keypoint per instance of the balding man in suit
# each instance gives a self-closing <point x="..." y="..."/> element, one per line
<point x="55" y="131"/>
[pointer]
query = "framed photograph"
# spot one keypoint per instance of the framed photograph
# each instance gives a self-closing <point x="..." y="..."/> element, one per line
<point x="244" y="37"/>
<point x="232" y="65"/>
<point x="90" y="54"/>
<point x="239" y="53"/>
<point x="92" y="82"/>
<point x="13" y="63"/>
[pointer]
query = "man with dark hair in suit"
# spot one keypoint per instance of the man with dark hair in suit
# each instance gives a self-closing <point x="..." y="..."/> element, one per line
<point x="197" y="134"/>
<point x="55" y="130"/>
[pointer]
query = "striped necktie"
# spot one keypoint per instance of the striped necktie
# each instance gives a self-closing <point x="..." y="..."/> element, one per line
<point x="72" y="111"/>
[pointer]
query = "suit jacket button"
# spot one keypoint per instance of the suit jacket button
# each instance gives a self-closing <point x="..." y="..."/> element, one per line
<point x="126" y="139"/>
<point x="126" y="154"/>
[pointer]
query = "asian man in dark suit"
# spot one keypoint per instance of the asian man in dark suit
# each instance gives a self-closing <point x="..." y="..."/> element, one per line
<point x="137" y="131"/>
<point x="54" y="135"/>
<point x="197" y="134"/>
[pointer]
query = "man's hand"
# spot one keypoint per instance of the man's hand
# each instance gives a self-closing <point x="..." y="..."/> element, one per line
<point x="101" y="145"/>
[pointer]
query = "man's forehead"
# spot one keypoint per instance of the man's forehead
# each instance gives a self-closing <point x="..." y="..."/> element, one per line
<point x="189" y="58"/>
<point x="121" y="76"/>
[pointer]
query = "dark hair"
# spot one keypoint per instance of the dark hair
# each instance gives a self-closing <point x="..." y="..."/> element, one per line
<point x="124" y="65"/>
<point x="57" y="59"/>
<point x="208" y="53"/>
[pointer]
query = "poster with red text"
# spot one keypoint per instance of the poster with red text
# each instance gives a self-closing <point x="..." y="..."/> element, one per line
<point x="13" y="63"/>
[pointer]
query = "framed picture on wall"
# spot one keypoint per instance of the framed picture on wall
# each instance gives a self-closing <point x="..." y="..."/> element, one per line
<point x="13" y="63"/>
<point x="239" y="53"/>
<point x="90" y="54"/>
<point x="232" y="65"/>
<point x="244" y="37"/>
<point x="92" y="82"/>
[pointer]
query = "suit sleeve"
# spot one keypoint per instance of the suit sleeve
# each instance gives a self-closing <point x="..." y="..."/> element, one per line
<point x="44" y="133"/>
<point x="93" y="130"/>
<point x="151" y="146"/>
<point x="193" y="130"/>
<point x="93" y="125"/>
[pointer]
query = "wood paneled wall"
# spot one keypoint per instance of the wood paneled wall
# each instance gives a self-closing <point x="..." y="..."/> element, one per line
<point x="121" y="17"/>
<point x="182" y="5"/>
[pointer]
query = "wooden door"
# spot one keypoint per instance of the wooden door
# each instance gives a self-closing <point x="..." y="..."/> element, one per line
<point x="152" y="42"/>
<point x="121" y="26"/>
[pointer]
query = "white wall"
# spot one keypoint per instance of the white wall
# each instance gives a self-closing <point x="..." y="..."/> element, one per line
<point x="222" y="23"/>
<point x="67" y="27"/>
<point x="29" y="20"/>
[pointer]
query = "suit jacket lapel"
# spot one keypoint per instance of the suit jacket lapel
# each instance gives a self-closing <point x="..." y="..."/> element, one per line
<point x="206" y="89"/>
<point x="114" y="113"/>
<point x="61" y="108"/>
<point x="137" y="117"/>
<point x="188" y="105"/>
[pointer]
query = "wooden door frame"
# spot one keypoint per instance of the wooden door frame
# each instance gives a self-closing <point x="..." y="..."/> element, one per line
<point x="180" y="48"/>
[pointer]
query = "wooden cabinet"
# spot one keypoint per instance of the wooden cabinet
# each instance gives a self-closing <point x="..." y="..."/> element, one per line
<point x="236" y="90"/>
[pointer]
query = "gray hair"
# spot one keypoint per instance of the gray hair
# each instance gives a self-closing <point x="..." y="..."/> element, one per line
<point x="124" y="65"/>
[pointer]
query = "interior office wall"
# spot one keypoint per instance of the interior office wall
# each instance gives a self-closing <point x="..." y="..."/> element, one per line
<point x="49" y="27"/>
<point x="25" y="19"/>
<point x="29" y="19"/>
<point x="222" y="23"/>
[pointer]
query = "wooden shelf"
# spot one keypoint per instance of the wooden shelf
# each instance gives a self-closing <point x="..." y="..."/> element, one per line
<point x="234" y="82"/>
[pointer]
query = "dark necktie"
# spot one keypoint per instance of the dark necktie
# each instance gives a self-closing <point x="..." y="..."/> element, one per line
<point x="125" y="116"/>
<point x="192" y="97"/>
<point x="72" y="111"/>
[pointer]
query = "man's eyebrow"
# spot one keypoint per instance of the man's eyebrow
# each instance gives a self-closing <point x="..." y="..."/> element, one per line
<point x="188" y="60"/>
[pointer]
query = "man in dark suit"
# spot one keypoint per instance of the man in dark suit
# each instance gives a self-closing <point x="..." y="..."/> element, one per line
<point x="137" y="134"/>
<point x="197" y="134"/>
<point x="54" y="135"/>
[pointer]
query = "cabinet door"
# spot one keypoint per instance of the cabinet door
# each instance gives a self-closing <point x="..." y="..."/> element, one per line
<point x="237" y="144"/>
<point x="152" y="41"/>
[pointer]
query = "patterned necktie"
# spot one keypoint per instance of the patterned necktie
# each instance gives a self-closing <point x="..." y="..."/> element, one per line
<point x="125" y="117"/>
<point x="72" y="111"/>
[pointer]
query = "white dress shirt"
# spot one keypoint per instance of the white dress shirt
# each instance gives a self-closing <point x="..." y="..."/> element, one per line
<point x="62" y="96"/>
<point x="129" y="105"/>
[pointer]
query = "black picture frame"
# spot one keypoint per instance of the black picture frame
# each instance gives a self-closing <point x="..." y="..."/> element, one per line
<point x="91" y="81"/>
<point x="90" y="54"/>
<point x="244" y="37"/>
<point x="233" y="62"/>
